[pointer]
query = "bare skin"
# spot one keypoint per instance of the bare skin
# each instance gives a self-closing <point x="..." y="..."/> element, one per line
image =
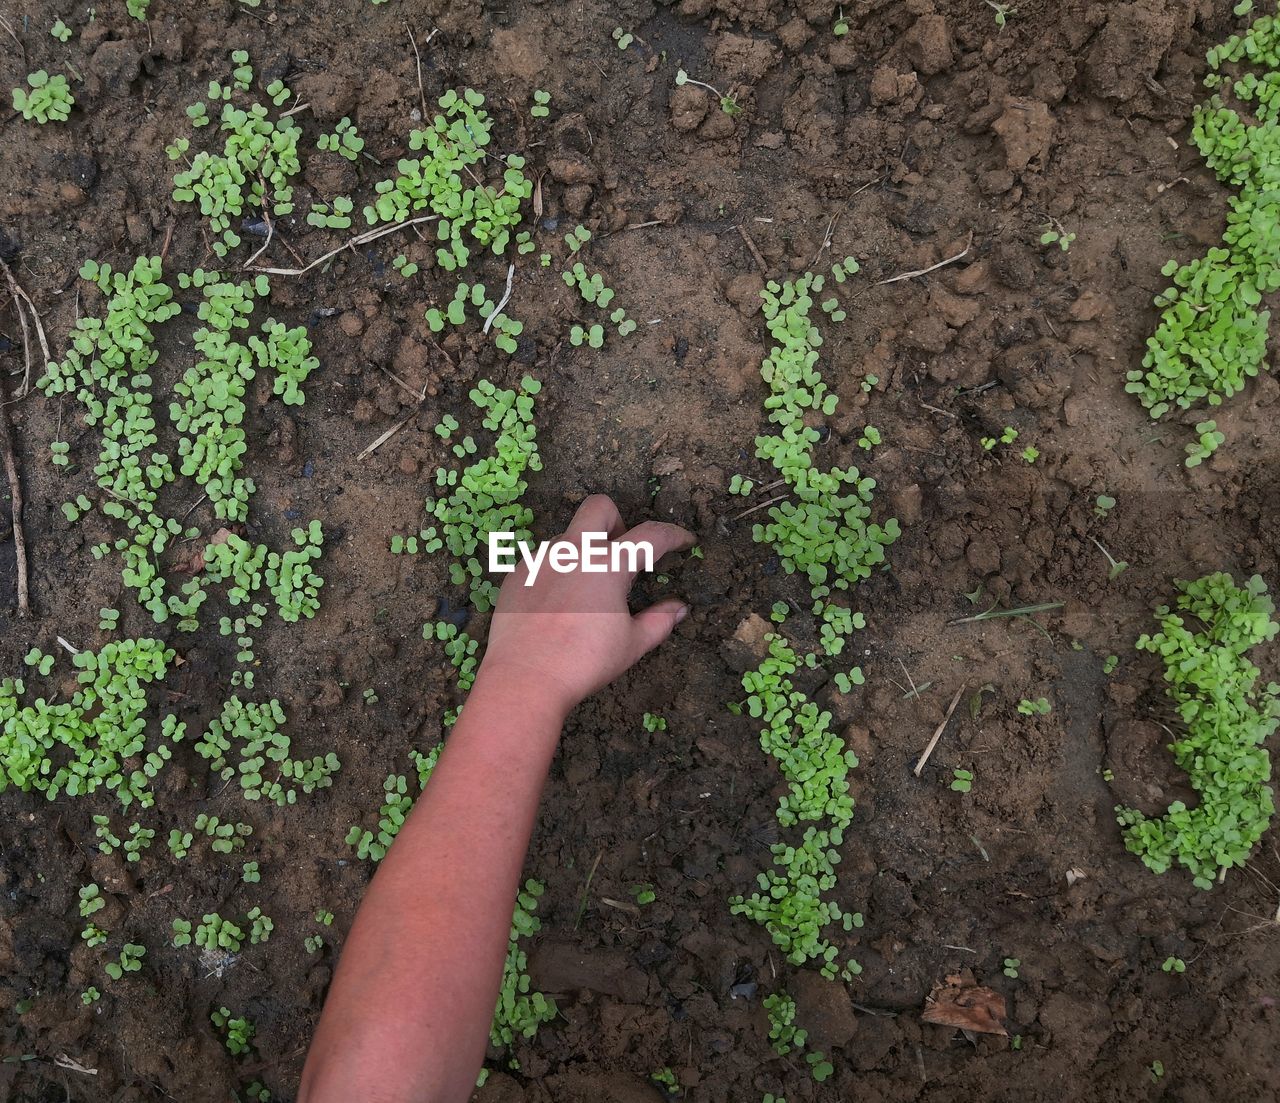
<point x="407" y="1016"/>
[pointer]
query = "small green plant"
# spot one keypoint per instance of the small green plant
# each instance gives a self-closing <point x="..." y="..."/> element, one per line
<point x="1003" y="11"/>
<point x="250" y="874"/>
<point x="90" y="996"/>
<point x="1174" y="965"/>
<point x="237" y="1033"/>
<point x="1156" y="1069"/>
<point x="45" y="99"/>
<point x="654" y="723"/>
<point x="1202" y="640"/>
<point x="1011" y="965"/>
<point x="1056" y="235"/>
<point x="622" y="38"/>
<point x="961" y="780"/>
<point x="137" y="8"/>
<point x="130" y="961"/>
<point x="181" y="932"/>
<point x="728" y="104"/>
<point x="404" y="266"/>
<point x="783" y="1033"/>
<point x="61" y="31"/>
<point x="90" y="901"/>
<point x="540" y="108"/>
<point x="1115" y="567"/>
<point x="1208" y="438"/>
<point x="1031" y="453"/>
<point x="1110" y="663"/>
<point x="1103" y="505"/>
<point x="1039" y="707"/>
<point x="93" y="935"/>
<point x="667" y="1080"/>
<point x="344" y="140"/>
<point x="841" y="26"/>
<point x="739" y="485"/>
<point x="643" y="894"/>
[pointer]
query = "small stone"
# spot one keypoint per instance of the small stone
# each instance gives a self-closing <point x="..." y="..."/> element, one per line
<point x="928" y="45"/>
<point x="572" y="170"/>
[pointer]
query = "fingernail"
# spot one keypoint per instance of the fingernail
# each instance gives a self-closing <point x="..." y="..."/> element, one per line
<point x="681" y="613"/>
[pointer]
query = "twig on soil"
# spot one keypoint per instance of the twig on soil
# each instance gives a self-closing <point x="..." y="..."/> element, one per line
<point x="418" y="59"/>
<point x="937" y="734"/>
<point x="932" y="268"/>
<point x="20" y="297"/>
<point x="910" y="681"/>
<point x="826" y="237"/>
<point x="271" y="228"/>
<point x="421" y="395"/>
<point x="511" y="275"/>
<point x="939" y="410"/>
<point x="294" y="110"/>
<point x="621" y="905"/>
<point x="359" y="239"/>
<point x="754" y="509"/>
<point x="15" y="501"/>
<point x="370" y="449"/>
<point x="764" y="268"/>
<point x="582" y="903"/>
<point x="1021" y="611"/>
<point x="67" y="646"/>
<point x="65" y="1062"/>
<point x="8" y="29"/>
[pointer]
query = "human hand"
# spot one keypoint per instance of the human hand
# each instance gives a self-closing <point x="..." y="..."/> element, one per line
<point x="571" y="633"/>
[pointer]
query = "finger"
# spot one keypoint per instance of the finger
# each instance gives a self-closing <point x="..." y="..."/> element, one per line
<point x="660" y="536"/>
<point x="596" y="514"/>
<point x="651" y="626"/>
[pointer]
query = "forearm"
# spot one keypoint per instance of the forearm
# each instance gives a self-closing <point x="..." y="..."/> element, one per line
<point x="410" y="1006"/>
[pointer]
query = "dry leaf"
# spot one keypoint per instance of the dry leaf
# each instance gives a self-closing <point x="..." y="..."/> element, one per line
<point x="966" y="1006"/>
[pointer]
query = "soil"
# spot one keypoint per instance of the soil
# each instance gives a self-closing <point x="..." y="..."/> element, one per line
<point x="924" y="132"/>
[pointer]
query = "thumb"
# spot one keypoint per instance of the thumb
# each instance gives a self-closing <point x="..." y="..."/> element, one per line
<point x="653" y="625"/>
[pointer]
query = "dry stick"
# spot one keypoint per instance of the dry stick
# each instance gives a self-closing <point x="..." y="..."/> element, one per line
<point x="370" y="449"/>
<point x="418" y="58"/>
<point x="754" y="509"/>
<point x="506" y="295"/>
<point x="359" y="239"/>
<point x="15" y="497"/>
<point x="294" y="110"/>
<point x="764" y="268"/>
<point x="8" y="29"/>
<point x="26" y="338"/>
<point x="271" y="229"/>
<point x="932" y="268"/>
<point x="15" y="289"/>
<point x="938" y="732"/>
<point x="826" y="238"/>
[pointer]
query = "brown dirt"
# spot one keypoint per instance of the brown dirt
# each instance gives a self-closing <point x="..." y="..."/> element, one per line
<point x="919" y="131"/>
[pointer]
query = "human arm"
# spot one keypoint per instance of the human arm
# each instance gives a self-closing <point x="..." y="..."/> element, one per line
<point x="407" y="1016"/>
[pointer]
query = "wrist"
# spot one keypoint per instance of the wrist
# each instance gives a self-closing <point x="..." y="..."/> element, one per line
<point x="523" y="688"/>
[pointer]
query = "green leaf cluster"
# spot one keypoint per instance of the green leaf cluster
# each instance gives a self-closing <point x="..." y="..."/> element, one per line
<point x="520" y="1012"/>
<point x="1202" y="640"/>
<point x="344" y="140"/>
<point x="238" y="1033"/>
<point x="396" y="805"/>
<point x="441" y="181"/>
<point x="258" y="160"/>
<point x="96" y="739"/>
<point x="1212" y="334"/>
<point x="824" y="532"/>
<point x="45" y="99"/>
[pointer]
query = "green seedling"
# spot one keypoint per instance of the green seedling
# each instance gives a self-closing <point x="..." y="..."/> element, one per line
<point x="45" y="99"/>
<point x="90" y="900"/>
<point x="1056" y="235"/>
<point x="1174" y="965"/>
<point x="1011" y="965"/>
<point x="108" y="619"/>
<point x="739" y="485"/>
<point x="313" y="943"/>
<point x="643" y="894"/>
<point x="1110" y="663"/>
<point x="783" y="1033"/>
<point x="654" y="723"/>
<point x="1003" y="11"/>
<point x="93" y="935"/>
<point x="1202" y="640"/>
<point x="1156" y="1070"/>
<point x="841" y="26"/>
<point x="667" y="1080"/>
<point x="1039" y="707"/>
<point x="130" y="961"/>
<point x="1116" y="567"/>
<point x="1103" y="505"/>
<point x="90" y="996"/>
<point x="540" y="110"/>
<point x="728" y="104"/>
<point x="1030" y="453"/>
<point x="404" y="266"/>
<point x="335" y="215"/>
<point x="250" y="874"/>
<point x="622" y="38"/>
<point x="237" y="1033"/>
<point x="344" y="139"/>
<point x="216" y="933"/>
<point x="61" y="31"/>
<point x="181" y="932"/>
<point x="519" y="1012"/>
<point x="1208" y="438"/>
<point x="137" y="8"/>
<point x="961" y="781"/>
